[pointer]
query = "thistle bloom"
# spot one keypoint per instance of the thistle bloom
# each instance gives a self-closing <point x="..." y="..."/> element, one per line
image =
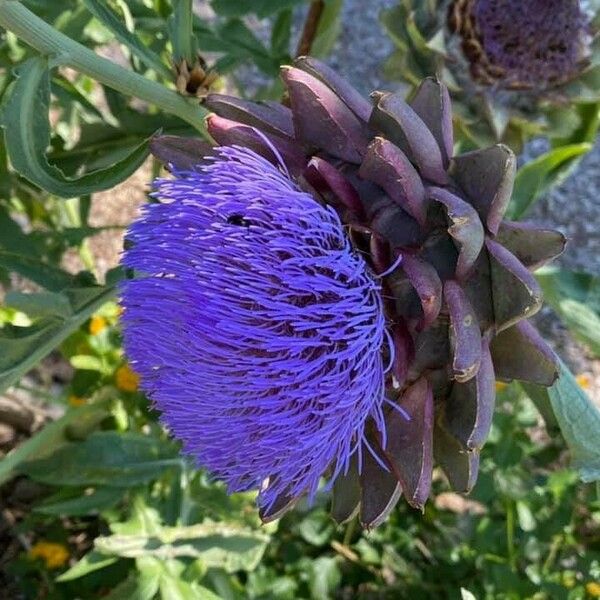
<point x="285" y="324"/>
<point x="255" y="327"/>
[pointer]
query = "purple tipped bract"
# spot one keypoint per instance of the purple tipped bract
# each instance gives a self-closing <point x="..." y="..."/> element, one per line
<point x="536" y="42"/>
<point x="255" y="327"/>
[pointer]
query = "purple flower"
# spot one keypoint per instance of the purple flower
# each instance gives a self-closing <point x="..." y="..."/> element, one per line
<point x="256" y="329"/>
<point x="536" y="42"/>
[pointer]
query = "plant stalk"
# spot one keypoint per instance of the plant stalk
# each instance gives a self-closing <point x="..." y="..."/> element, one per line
<point x="311" y="26"/>
<point x="48" y="41"/>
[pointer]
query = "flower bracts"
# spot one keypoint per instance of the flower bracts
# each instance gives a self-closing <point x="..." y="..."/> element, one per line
<point x="340" y="307"/>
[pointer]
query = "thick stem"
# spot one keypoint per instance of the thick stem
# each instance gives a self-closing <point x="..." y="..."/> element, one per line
<point x="311" y="26"/>
<point x="50" y="42"/>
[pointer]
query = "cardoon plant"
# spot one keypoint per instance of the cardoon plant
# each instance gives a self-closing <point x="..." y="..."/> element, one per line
<point x="515" y="69"/>
<point x="330" y="294"/>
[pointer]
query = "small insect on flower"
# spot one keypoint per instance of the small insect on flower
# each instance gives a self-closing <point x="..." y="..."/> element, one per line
<point x="54" y="555"/>
<point x="255" y="326"/>
<point x="126" y="380"/>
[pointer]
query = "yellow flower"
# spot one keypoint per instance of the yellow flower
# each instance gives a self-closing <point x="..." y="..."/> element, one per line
<point x="593" y="589"/>
<point x="54" y="555"/>
<point x="500" y="385"/>
<point x="76" y="400"/>
<point x="97" y="324"/>
<point x="126" y="379"/>
<point x="584" y="381"/>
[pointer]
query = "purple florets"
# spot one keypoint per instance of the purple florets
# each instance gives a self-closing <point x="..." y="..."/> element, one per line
<point x="537" y="42"/>
<point x="255" y="327"/>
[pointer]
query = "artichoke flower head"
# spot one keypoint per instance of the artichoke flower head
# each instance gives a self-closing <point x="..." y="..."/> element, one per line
<point x="331" y="294"/>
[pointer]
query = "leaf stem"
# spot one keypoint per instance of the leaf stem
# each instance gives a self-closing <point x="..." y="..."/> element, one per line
<point x="311" y="26"/>
<point x="510" y="534"/>
<point x="45" y="39"/>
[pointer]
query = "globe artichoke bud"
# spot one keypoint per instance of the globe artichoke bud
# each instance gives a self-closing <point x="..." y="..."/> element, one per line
<point x="332" y="294"/>
<point x="515" y="69"/>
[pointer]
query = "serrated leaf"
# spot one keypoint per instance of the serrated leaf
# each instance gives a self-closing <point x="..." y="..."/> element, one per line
<point x="539" y="175"/>
<point x="105" y="458"/>
<point x="225" y="546"/>
<point x="579" y="421"/>
<point x="24" y="117"/>
<point x="92" y="561"/>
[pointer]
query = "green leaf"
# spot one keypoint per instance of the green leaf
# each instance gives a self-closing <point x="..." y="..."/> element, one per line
<point x="261" y="8"/>
<point x="239" y="41"/>
<point x="105" y="458"/>
<point x="582" y="322"/>
<point x="12" y="238"/>
<point x="537" y="176"/>
<point x="281" y="34"/>
<point x="64" y="90"/>
<point x="82" y="504"/>
<point x="180" y="25"/>
<point x="226" y="546"/>
<point x="329" y="28"/>
<point x="579" y="421"/>
<point x="324" y="577"/>
<point x="130" y="589"/>
<point x="24" y="117"/>
<point x="51" y="437"/>
<point x="576" y="299"/>
<point x="538" y="394"/>
<point x="21" y="348"/>
<point x="87" y="362"/>
<point x="92" y="561"/>
<point x="42" y="304"/>
<point x="149" y="572"/>
<point x="49" y="277"/>
<point x="107" y="16"/>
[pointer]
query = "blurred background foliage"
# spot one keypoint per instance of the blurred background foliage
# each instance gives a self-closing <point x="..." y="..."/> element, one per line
<point x="95" y="500"/>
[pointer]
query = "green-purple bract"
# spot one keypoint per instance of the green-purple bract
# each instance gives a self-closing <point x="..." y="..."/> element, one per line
<point x="256" y="328"/>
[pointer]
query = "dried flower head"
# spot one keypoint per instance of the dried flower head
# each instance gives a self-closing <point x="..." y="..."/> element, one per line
<point x="256" y="328"/>
<point x="522" y="45"/>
